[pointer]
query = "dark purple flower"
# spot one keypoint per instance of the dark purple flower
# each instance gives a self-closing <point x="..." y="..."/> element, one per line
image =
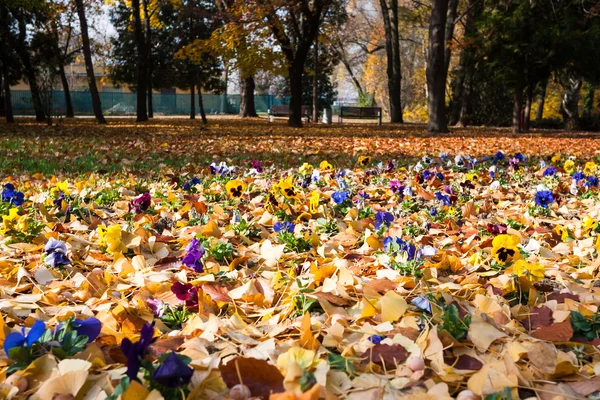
<point x="283" y="227"/>
<point x="136" y="352"/>
<point x="140" y="204"/>
<point x="544" y="198"/>
<point x="173" y="372"/>
<point x="193" y="258"/>
<point x="592" y="181"/>
<point x="383" y="218"/>
<point x="520" y="157"/>
<point x="389" y="166"/>
<point x="56" y="253"/>
<point x="256" y="165"/>
<point x="59" y="200"/>
<point x="186" y="292"/>
<point x="90" y="327"/>
<point x="396" y="187"/>
<point x="10" y="195"/>
<point x="499" y="156"/>
<point x="496" y="229"/>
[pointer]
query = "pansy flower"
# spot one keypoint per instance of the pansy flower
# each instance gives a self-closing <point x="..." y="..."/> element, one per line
<point x="235" y="188"/>
<point x="20" y="339"/>
<point x="389" y="166"/>
<point x="287" y="188"/>
<point x="11" y="195"/>
<point x="173" y="372"/>
<point x="56" y="253"/>
<point x="90" y="327"/>
<point x="383" y="218"/>
<point x="427" y="174"/>
<point x="544" y="198"/>
<point x="314" y="202"/>
<point x="364" y="161"/>
<point x="257" y="166"/>
<point x="590" y="168"/>
<point x="550" y="171"/>
<point x="306" y="169"/>
<point x="339" y="197"/>
<point x="325" y="166"/>
<point x="110" y="238"/>
<point x="504" y="248"/>
<point x="284" y="227"/>
<point x="136" y="351"/>
<point x="443" y="198"/>
<point x="193" y="257"/>
<point x="376" y="339"/>
<point x="577" y="176"/>
<point x="592" y="181"/>
<point x="186" y="292"/>
<point x="496" y="229"/>
<point x="140" y="204"/>
<point x="569" y="166"/>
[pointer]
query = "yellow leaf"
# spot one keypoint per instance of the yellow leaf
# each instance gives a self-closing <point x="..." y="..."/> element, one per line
<point x="307" y="339"/>
<point x="393" y="306"/>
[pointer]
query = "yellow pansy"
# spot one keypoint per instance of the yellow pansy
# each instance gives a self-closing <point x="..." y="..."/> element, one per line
<point x="60" y="187"/>
<point x="363" y="161"/>
<point x="569" y="166"/>
<point x="504" y="248"/>
<point x="306" y="169"/>
<point x="590" y="168"/>
<point x="235" y="188"/>
<point x="110" y="237"/>
<point x="562" y="231"/>
<point x="472" y="177"/>
<point x="287" y="188"/>
<point x="325" y="165"/>
<point x="314" y="202"/>
<point x="588" y="225"/>
<point x="556" y="159"/>
<point x="10" y="220"/>
<point x="533" y="272"/>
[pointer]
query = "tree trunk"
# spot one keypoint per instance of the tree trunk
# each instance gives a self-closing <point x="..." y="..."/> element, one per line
<point x="223" y="107"/>
<point x="540" y="105"/>
<point x="392" y="47"/>
<point x="201" y="105"/>
<point x="518" y="96"/>
<point x="436" y="73"/>
<point x="149" y="54"/>
<point x="449" y="32"/>
<point x="528" y="101"/>
<point x="315" y="93"/>
<point x="66" y="91"/>
<point x="142" y="67"/>
<point x="89" y="66"/>
<point x="25" y="57"/>
<point x="457" y="90"/>
<point x="192" y="102"/>
<point x="247" y="107"/>
<point x="8" y="111"/>
<point x="295" y="76"/>
<point x="570" y="103"/>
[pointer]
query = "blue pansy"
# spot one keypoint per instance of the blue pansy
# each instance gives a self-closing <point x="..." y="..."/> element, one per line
<point x="10" y="195"/>
<point x="433" y="212"/>
<point x="383" y="218"/>
<point x="17" y="339"/>
<point x="592" y="181"/>
<point x="284" y="227"/>
<point x="90" y="327"/>
<point x="376" y="339"/>
<point x="544" y="198"/>
<point x="427" y="174"/>
<point x="443" y="198"/>
<point x="578" y="176"/>
<point x="440" y="176"/>
<point x="550" y="171"/>
<point x="193" y="258"/>
<point x="339" y="197"/>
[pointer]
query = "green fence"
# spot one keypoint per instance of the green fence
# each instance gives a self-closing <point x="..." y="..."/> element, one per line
<point x="115" y="103"/>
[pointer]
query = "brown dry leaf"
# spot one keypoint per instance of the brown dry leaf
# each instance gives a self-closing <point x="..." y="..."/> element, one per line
<point x="385" y="355"/>
<point x="262" y="378"/>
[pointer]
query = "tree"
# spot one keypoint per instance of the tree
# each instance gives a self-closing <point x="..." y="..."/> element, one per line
<point x="436" y="67"/>
<point x="89" y="65"/>
<point x="142" y="62"/>
<point x="389" y="12"/>
<point x="295" y="27"/>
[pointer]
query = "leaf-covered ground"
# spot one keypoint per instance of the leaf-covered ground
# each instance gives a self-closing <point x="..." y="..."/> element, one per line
<point x="352" y="262"/>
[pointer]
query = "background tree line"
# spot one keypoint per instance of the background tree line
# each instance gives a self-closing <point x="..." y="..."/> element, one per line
<point x="451" y="62"/>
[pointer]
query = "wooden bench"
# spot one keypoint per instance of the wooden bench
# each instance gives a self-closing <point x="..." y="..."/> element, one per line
<point x="360" y="113"/>
<point x="284" y="111"/>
